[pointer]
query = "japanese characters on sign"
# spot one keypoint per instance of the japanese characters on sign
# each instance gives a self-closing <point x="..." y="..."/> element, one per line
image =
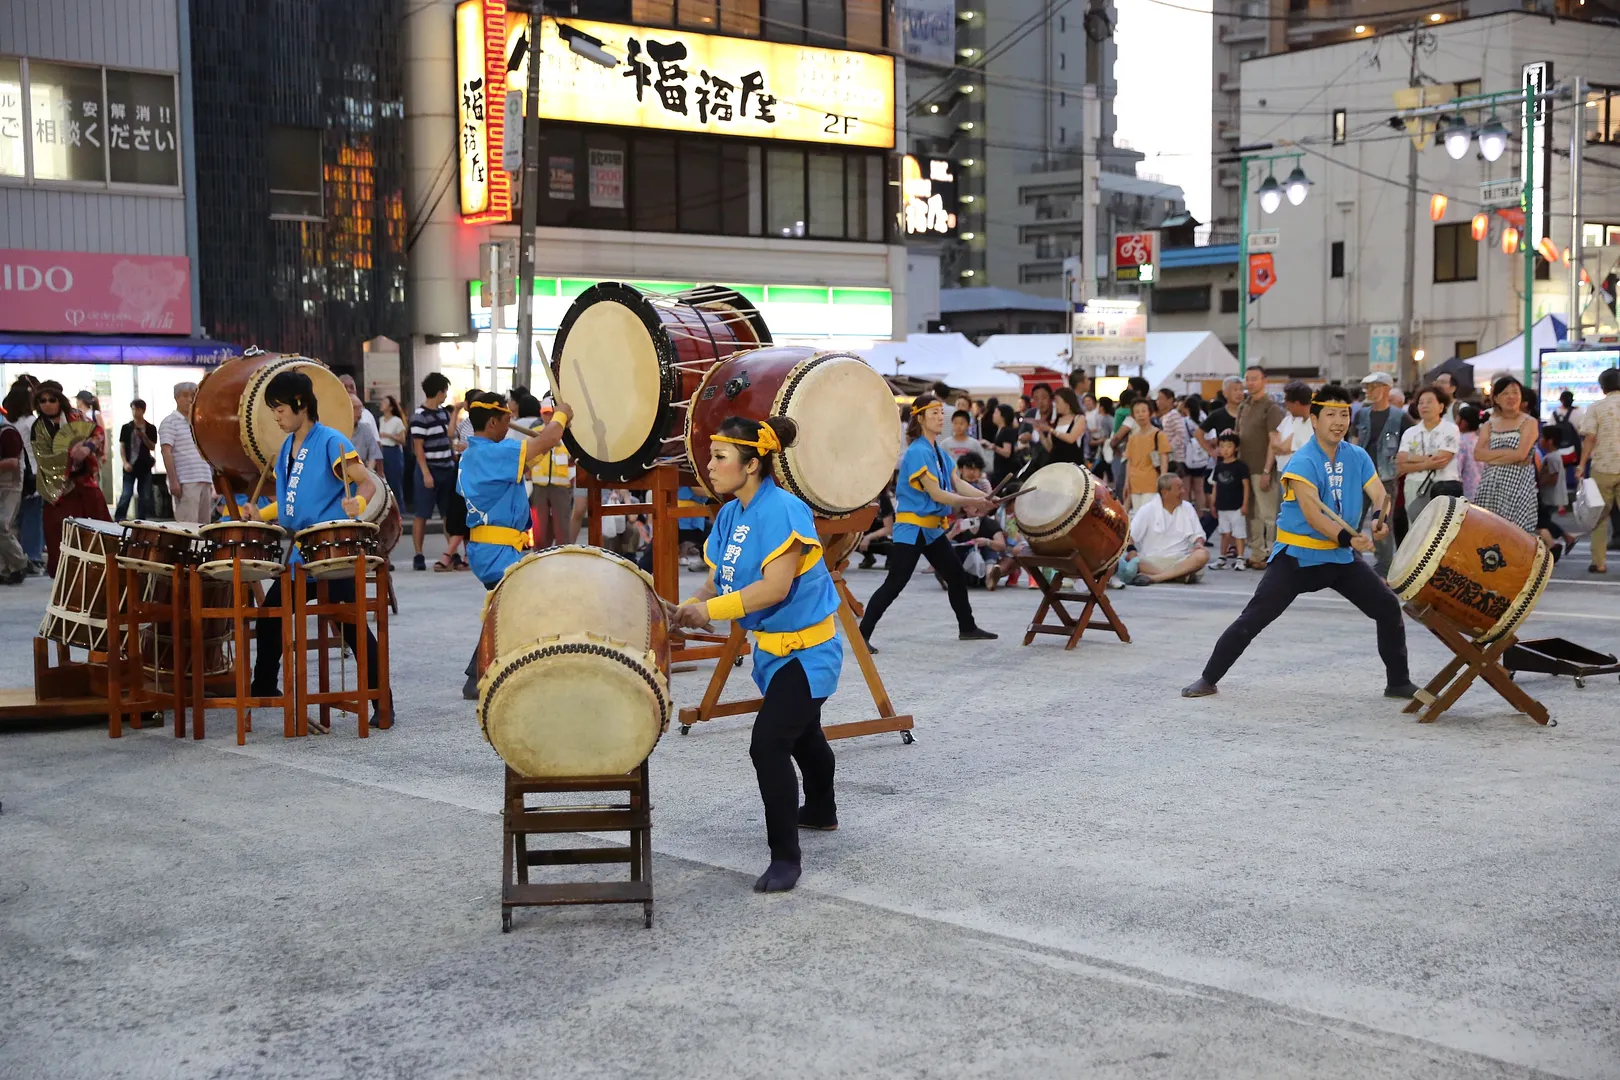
<point x="928" y="197"/>
<point x="12" y="160"/>
<point x="1134" y="256"/>
<point x="88" y="125"/>
<point x="140" y="129"/>
<point x="607" y="178"/>
<point x="1110" y="332"/>
<point x="679" y="81"/>
<point x="480" y="96"/>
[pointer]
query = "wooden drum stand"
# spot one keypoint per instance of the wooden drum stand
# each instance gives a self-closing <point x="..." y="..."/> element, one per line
<point x="849" y="612"/>
<point x="128" y="690"/>
<point x="1470" y="661"/>
<point x="370" y="598"/>
<point x="1053" y="596"/>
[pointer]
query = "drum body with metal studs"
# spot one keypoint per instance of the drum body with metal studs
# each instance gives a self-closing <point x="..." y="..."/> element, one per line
<point x="1064" y="510"/>
<point x="576" y="651"/>
<point x="257" y="544"/>
<point x="157" y="547"/>
<point x="329" y="550"/>
<point x="629" y="361"/>
<point x="236" y="430"/>
<point x="157" y="640"/>
<point x="383" y="512"/>
<point x="1480" y="571"/>
<point x="849" y="434"/>
<point x="77" y="611"/>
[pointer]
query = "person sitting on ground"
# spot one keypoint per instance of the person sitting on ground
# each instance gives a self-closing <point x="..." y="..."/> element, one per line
<point x="980" y="543"/>
<point x="1168" y="539"/>
<point x="1231" y="479"/>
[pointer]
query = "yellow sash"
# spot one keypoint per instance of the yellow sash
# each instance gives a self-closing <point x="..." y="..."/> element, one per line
<point x="500" y="534"/>
<point x="1316" y="543"/>
<point x="906" y="517"/>
<point x="784" y="642"/>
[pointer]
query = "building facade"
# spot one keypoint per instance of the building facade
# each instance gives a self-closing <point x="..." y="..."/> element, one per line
<point x="1340" y="256"/>
<point x="730" y="142"/>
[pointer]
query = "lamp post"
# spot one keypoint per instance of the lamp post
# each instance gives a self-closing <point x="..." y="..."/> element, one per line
<point x="1271" y="195"/>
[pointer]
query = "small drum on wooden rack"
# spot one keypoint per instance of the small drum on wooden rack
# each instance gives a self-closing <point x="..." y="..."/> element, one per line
<point x="630" y="360"/>
<point x="577" y="648"/>
<point x="157" y="643"/>
<point x="256" y="543"/>
<point x="1480" y="571"/>
<point x="236" y="430"/>
<point x="329" y="550"/>
<point x="849" y="432"/>
<point x="157" y="547"/>
<point x="77" y="611"/>
<point x="1064" y="510"/>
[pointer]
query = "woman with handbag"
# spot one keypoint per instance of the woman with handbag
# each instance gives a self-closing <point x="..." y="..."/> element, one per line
<point x="1428" y="453"/>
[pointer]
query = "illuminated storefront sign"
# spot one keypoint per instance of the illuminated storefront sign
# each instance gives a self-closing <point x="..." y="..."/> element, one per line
<point x="928" y="193"/>
<point x="480" y="93"/>
<point x="677" y="81"/>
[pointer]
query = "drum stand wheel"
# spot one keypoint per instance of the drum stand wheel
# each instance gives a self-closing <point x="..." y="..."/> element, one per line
<point x="907" y="738"/>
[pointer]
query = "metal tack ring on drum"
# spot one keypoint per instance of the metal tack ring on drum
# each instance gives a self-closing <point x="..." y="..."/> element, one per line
<point x="1455" y="509"/>
<point x="587" y="648"/>
<point x="779" y="407"/>
<point x="1527" y="599"/>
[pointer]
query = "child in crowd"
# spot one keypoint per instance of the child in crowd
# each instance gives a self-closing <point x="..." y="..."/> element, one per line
<point x="1231" y="479"/>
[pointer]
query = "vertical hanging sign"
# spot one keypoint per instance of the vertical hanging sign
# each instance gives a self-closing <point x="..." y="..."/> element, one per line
<point x="486" y="193"/>
<point x="1535" y="167"/>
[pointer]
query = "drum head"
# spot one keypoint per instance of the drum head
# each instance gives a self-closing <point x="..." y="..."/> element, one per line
<point x="261" y="438"/>
<point x="849" y="434"/>
<point x="604" y="708"/>
<point x="1058" y="493"/>
<point x="94" y="525"/>
<point x="252" y="570"/>
<point x="1425" y="545"/>
<point x="613" y="363"/>
<point x="346" y="523"/>
<point x="272" y="532"/>
<point x="332" y="569"/>
<point x="553" y="592"/>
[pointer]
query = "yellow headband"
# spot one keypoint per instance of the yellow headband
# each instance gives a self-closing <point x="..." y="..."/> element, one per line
<point x="1330" y="404"/>
<point x="767" y="443"/>
<point x="491" y="406"/>
<point x="915" y="409"/>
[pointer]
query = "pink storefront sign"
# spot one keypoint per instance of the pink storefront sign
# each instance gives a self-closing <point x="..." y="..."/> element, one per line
<point x="78" y="292"/>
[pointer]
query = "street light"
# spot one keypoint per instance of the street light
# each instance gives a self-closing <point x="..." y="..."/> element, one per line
<point x="1493" y="139"/>
<point x="1271" y="195"/>
<point x="1297" y="186"/>
<point x="583" y="44"/>
<point x="1457" y="138"/>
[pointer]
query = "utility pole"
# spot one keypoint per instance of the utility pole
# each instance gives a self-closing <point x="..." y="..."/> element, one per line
<point x="531" y="199"/>
<point x="1408" y="268"/>
<point x="1577" y="147"/>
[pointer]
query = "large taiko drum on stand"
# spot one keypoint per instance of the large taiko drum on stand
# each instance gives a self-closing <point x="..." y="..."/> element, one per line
<point x="236" y="430"/>
<point x="849" y="434"/>
<point x="1480" y="571"/>
<point x="1064" y="510"/>
<point x="383" y="512"/>
<point x="578" y="647"/>
<point x="629" y="361"/>
<point x="77" y="611"/>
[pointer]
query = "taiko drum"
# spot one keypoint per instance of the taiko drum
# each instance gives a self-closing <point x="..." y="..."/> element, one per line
<point x="1479" y="570"/>
<point x="1064" y="510"/>
<point x="235" y="429"/>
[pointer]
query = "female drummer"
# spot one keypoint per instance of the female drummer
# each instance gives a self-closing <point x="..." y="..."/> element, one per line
<point x="491" y="481"/>
<point x="314" y="468"/>
<point x="768" y="575"/>
<point x="925" y="493"/>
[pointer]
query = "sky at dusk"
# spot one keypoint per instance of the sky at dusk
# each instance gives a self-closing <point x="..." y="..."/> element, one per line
<point x="1164" y="86"/>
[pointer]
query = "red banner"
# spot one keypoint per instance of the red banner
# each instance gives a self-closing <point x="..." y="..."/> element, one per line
<point x="78" y="292"/>
<point x="1262" y="274"/>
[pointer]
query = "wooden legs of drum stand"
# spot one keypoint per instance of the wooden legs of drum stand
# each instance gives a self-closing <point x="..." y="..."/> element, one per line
<point x="1470" y="661"/>
<point x="1054" y="596"/>
<point x="128" y="691"/>
<point x="370" y="598"/>
<point x="520" y="820"/>
<point x="849" y="611"/>
<point x="246" y="607"/>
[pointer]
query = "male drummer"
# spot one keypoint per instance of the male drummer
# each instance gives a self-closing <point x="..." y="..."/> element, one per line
<point x="491" y="481"/>
<point x="1323" y="490"/>
<point x="314" y="468"/>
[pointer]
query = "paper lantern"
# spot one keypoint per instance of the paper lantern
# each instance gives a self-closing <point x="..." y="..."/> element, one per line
<point x="1437" y="206"/>
<point x="1480" y="227"/>
<point x="1547" y="249"/>
<point x="1510" y="240"/>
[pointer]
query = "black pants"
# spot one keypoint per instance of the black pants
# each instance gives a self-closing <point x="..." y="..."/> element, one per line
<point x="1285" y="580"/>
<point x="139" y="485"/>
<point x="267" y="662"/>
<point x="902" y="562"/>
<point x="788" y="729"/>
<point x="472" y="665"/>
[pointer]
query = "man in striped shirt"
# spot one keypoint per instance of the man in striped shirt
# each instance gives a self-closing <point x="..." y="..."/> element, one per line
<point x="436" y="473"/>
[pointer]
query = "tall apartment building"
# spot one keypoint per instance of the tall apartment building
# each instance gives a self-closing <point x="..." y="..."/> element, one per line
<point x="1027" y="119"/>
<point x="1249" y="29"/>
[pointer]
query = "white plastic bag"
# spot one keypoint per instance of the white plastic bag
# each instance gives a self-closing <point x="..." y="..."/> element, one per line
<point x="1588" y="507"/>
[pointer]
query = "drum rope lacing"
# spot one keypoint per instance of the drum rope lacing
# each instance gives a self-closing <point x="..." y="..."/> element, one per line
<point x="545" y="652"/>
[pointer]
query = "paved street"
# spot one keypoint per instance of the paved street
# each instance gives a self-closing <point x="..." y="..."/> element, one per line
<point x="1073" y="872"/>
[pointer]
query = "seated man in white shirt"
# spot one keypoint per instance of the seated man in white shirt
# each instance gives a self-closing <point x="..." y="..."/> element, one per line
<point x="1168" y="538"/>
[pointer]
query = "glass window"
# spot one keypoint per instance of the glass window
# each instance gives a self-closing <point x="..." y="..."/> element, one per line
<point x="827" y="195"/>
<point x="701" y="15"/>
<point x="1336" y="259"/>
<point x="700" y="185"/>
<point x="1465" y="350"/>
<point x="1229" y="301"/>
<point x="13" y="149"/>
<point x="295" y="172"/>
<point x="784" y="20"/>
<point x="739" y="190"/>
<point x="70" y="135"/>
<point x="1456" y="253"/>
<point x="142" y="129"/>
<point x="863" y="24"/>
<point x="1188" y="298"/>
<point x="740" y="17"/>
<point x="652" y="185"/>
<point x="653" y="12"/>
<point x="784" y="193"/>
<point x="825" y="21"/>
<point x="562" y="166"/>
<point x="1340" y="128"/>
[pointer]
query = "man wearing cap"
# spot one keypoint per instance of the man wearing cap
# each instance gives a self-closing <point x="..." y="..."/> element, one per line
<point x="1325" y="486"/>
<point x="1378" y="431"/>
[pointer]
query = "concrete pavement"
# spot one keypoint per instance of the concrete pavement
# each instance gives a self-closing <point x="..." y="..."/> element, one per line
<point x="1074" y="872"/>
